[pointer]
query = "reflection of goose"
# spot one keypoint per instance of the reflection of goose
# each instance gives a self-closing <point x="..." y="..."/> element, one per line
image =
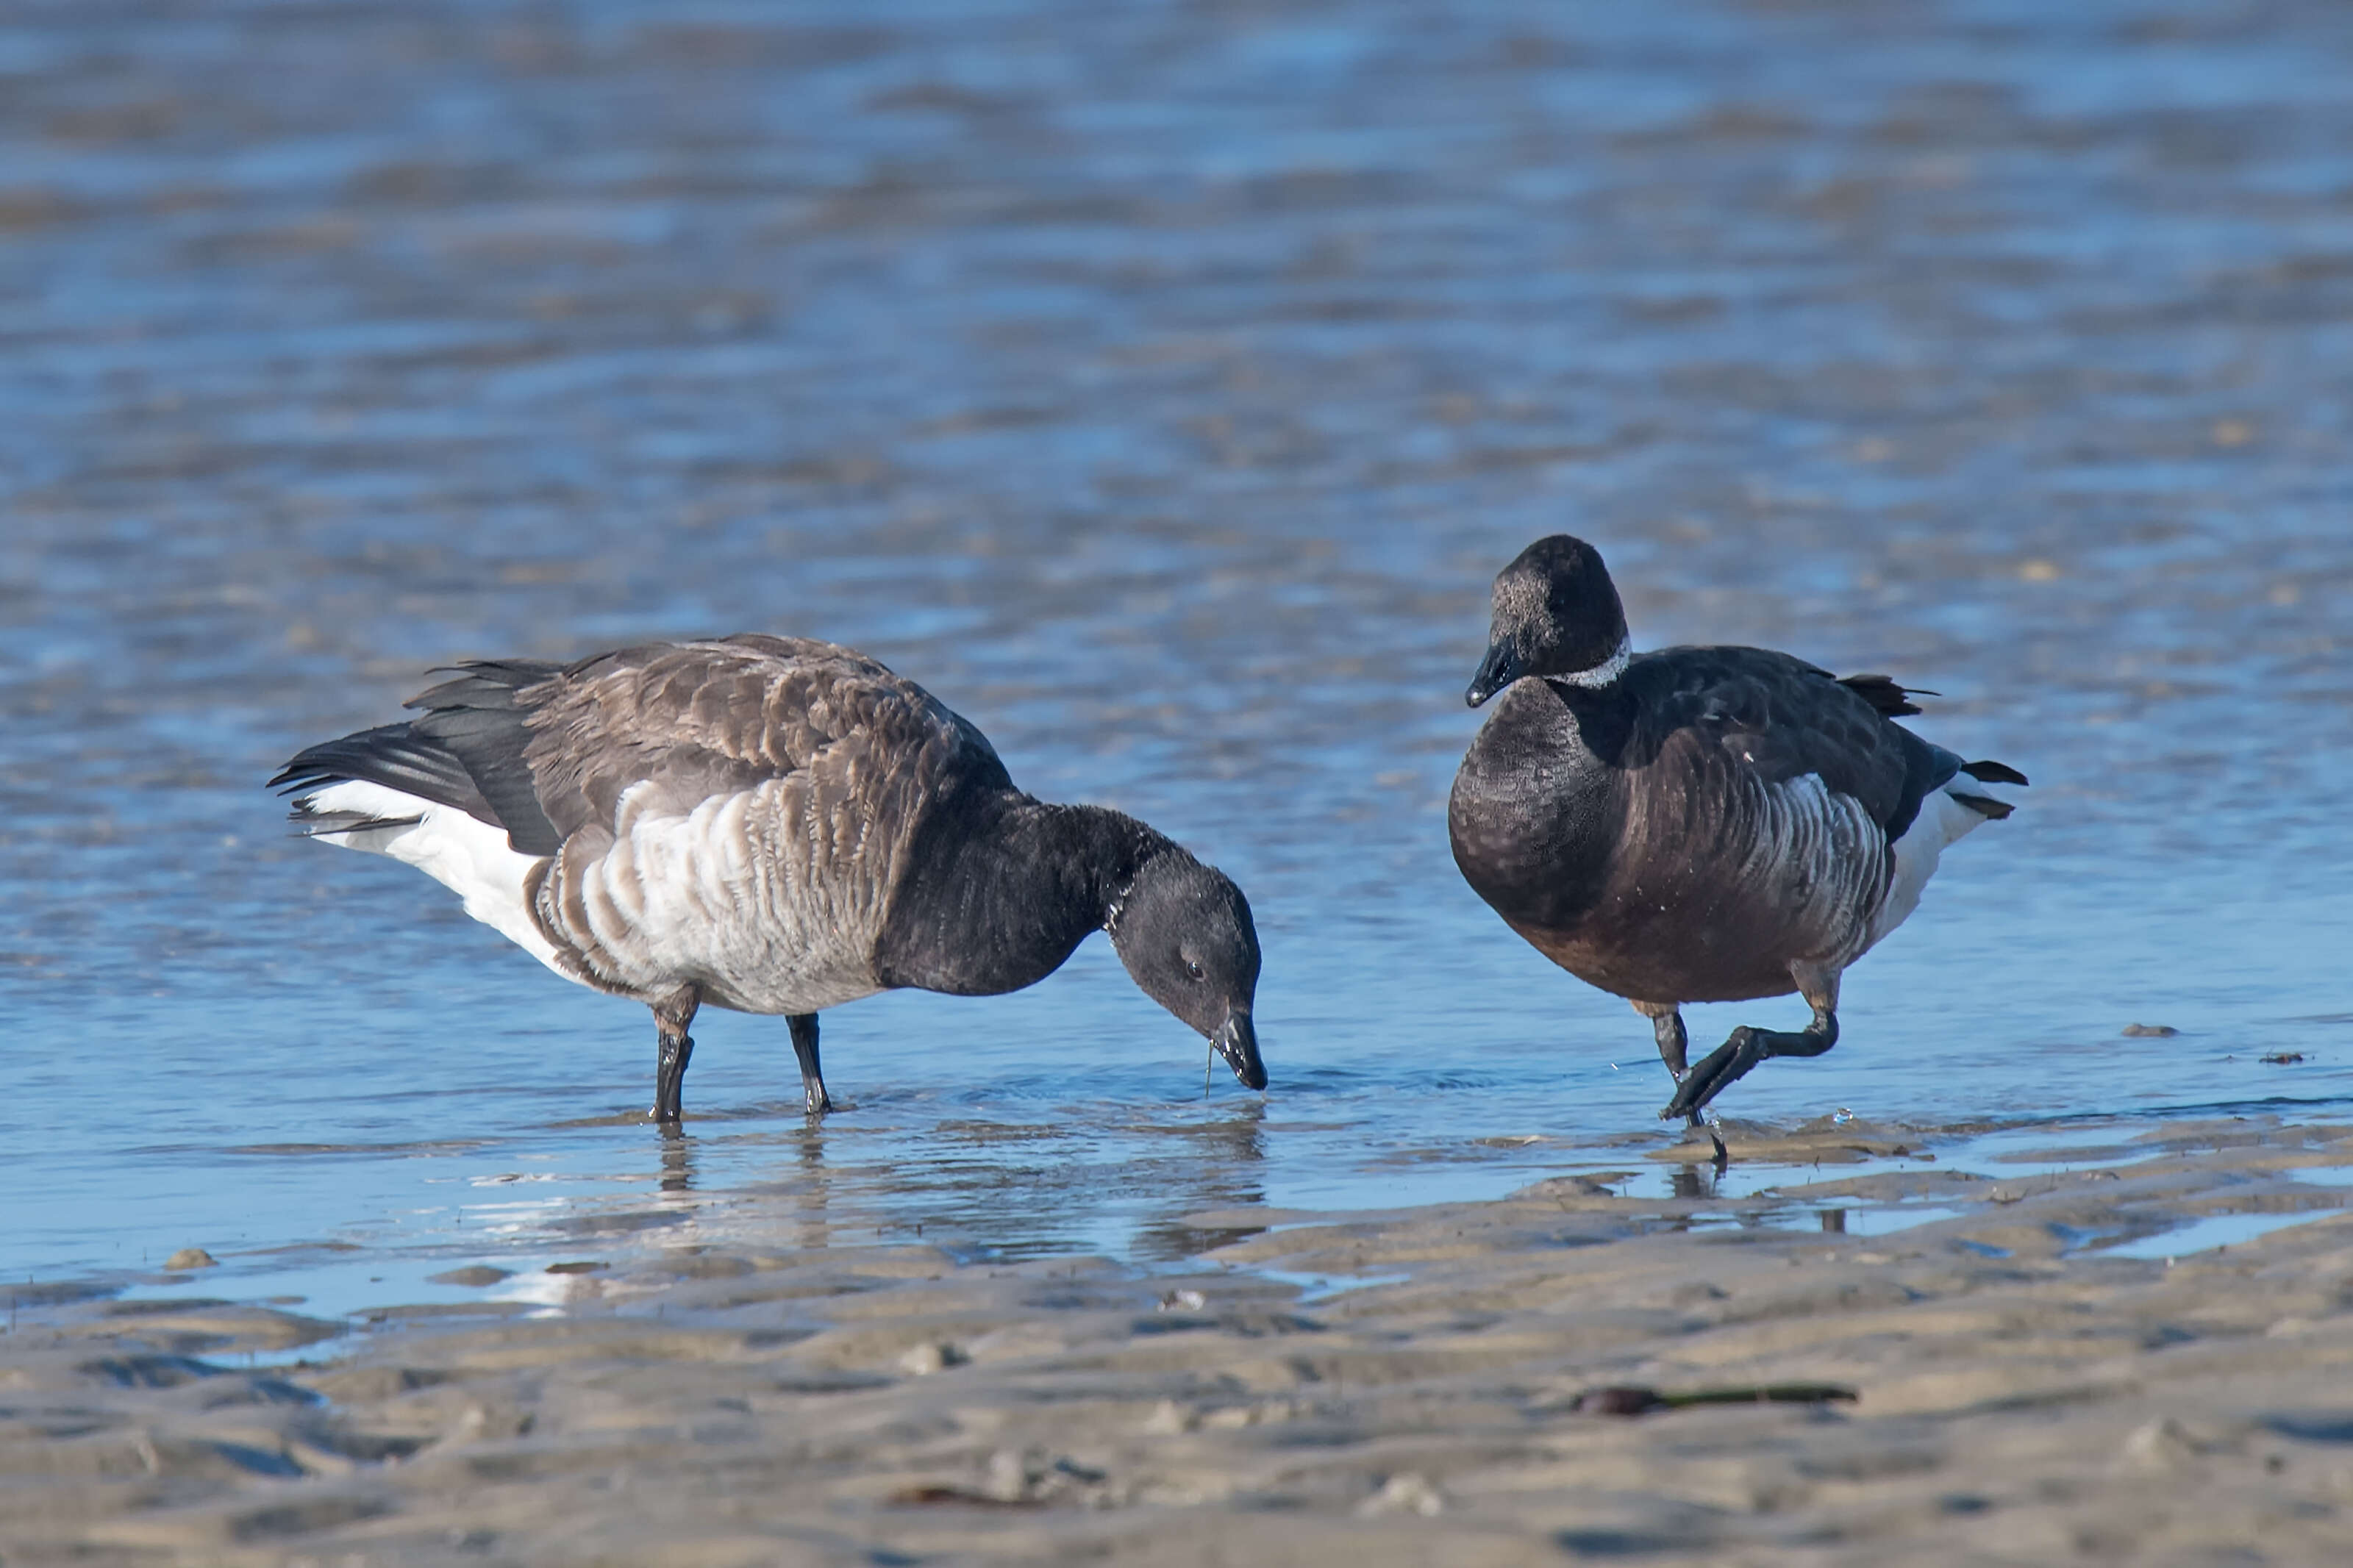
<point x="1221" y="1172"/>
<point x="678" y="1165"/>
<point x="769" y="824"/>
<point x="1695" y="824"/>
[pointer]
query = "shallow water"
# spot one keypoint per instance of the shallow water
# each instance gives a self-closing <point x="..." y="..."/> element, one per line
<point x="1160" y="387"/>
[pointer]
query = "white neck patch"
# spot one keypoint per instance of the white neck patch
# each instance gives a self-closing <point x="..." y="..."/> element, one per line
<point x="1607" y="670"/>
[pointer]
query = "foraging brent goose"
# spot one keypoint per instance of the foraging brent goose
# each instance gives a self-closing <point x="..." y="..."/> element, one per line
<point x="1697" y="823"/>
<point x="770" y="825"/>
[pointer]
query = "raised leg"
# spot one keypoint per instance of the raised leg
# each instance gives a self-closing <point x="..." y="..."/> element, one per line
<point x="803" y="1028"/>
<point x="1746" y="1047"/>
<point x="673" y="1014"/>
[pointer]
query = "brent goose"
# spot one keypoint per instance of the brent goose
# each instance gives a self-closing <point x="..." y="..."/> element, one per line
<point x="771" y="825"/>
<point x="1697" y="823"/>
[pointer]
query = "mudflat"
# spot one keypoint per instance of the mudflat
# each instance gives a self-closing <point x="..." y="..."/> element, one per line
<point x="2062" y="1367"/>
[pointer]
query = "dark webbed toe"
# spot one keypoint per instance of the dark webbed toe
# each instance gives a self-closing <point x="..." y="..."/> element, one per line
<point x="1716" y="1070"/>
<point x="1742" y="1049"/>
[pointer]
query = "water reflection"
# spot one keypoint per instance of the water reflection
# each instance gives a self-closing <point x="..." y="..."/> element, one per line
<point x="1025" y="1187"/>
<point x="1167" y="419"/>
<point x="1221" y="1171"/>
<point x="1694" y="1182"/>
<point x="677" y="1160"/>
<point x="798" y="1209"/>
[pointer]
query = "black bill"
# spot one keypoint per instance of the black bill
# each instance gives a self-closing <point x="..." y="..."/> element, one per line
<point x="1237" y="1041"/>
<point x="1497" y="670"/>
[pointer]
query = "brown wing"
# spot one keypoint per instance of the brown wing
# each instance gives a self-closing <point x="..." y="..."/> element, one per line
<point x="672" y="725"/>
<point x="554" y="748"/>
<point x="782" y="785"/>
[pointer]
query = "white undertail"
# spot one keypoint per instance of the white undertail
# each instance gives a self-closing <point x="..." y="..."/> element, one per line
<point x="468" y="856"/>
<point x="1942" y="820"/>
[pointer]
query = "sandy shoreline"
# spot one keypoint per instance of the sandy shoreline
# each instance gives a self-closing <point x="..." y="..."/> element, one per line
<point x="2020" y="1399"/>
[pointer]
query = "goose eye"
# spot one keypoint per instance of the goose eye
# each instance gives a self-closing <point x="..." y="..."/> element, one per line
<point x="1192" y="969"/>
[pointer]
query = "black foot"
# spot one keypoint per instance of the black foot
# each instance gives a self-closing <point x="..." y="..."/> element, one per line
<point x="1742" y="1049"/>
<point x="1716" y="1071"/>
<point x="1723" y="1156"/>
<point x="669" y="1079"/>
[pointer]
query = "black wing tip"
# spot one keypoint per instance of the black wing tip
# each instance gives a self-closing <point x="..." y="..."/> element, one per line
<point x="1985" y="806"/>
<point x="306" y="773"/>
<point x="1987" y="771"/>
<point x="1887" y="698"/>
<point x="395" y="757"/>
<point x="338" y="761"/>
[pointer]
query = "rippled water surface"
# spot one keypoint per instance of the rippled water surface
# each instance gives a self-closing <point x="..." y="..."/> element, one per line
<point x="1160" y="386"/>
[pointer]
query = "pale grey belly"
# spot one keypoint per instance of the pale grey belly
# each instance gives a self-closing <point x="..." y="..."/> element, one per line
<point x="728" y="898"/>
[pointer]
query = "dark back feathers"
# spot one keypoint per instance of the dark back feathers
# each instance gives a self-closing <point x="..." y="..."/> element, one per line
<point x="1782" y="718"/>
<point x="1700" y="711"/>
<point x="1891" y="701"/>
<point x="482" y="719"/>
<point x="546" y="750"/>
<point x="703" y="719"/>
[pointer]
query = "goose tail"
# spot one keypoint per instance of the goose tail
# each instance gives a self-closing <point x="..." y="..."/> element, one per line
<point x="415" y="767"/>
<point x="1992" y="808"/>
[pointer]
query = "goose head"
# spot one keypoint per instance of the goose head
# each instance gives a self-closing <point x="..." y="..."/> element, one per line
<point x="1556" y="613"/>
<point x="1184" y="932"/>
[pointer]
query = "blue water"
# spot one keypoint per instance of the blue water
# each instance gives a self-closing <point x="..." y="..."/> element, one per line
<point x="1160" y="386"/>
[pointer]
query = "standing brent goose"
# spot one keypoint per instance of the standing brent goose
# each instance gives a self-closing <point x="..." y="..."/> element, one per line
<point x="1698" y="824"/>
<point x="772" y="824"/>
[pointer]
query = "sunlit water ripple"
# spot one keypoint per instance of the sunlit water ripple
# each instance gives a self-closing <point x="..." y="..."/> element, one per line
<point x="1160" y="388"/>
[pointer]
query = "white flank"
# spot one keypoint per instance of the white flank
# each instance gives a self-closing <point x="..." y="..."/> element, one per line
<point x="774" y="913"/>
<point x="469" y="857"/>
<point x="1806" y="826"/>
<point x="1942" y="821"/>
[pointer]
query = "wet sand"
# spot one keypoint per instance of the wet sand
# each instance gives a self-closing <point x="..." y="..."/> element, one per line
<point x="1412" y="1387"/>
<point x="1161" y="386"/>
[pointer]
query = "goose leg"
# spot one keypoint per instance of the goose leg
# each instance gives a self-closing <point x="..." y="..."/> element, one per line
<point x="1667" y="1024"/>
<point x="803" y="1028"/>
<point x="1674" y="1046"/>
<point x="673" y="1014"/>
<point x="1746" y="1047"/>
